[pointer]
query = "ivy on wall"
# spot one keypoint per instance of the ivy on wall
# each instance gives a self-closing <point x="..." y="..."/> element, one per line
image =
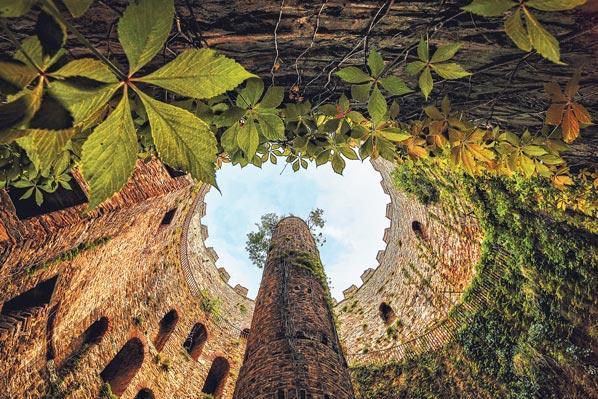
<point x="535" y="337"/>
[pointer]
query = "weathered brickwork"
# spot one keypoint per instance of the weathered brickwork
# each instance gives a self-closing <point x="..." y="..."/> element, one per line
<point x="293" y="351"/>
<point x="115" y="295"/>
<point x="427" y="264"/>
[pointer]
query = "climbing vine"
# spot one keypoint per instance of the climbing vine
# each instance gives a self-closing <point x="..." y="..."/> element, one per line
<point x="202" y="109"/>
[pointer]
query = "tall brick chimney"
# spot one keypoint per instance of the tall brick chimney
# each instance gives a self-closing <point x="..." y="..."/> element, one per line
<point x="293" y="351"/>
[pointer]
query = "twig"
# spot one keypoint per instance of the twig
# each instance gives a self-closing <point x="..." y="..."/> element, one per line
<point x="272" y="70"/>
<point x="313" y="39"/>
<point x="16" y="42"/>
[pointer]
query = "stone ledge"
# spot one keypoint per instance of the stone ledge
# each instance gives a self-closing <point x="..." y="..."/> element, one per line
<point x="239" y="289"/>
<point x="224" y="274"/>
<point x="367" y="274"/>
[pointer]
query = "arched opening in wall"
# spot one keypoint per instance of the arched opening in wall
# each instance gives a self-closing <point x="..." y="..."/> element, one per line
<point x="245" y="333"/>
<point x="123" y="367"/>
<point x="168" y="216"/>
<point x="145" y="393"/>
<point x="167" y="325"/>
<point x="387" y="314"/>
<point x="216" y="379"/>
<point x="417" y="228"/>
<point x="196" y="340"/>
<point x="38" y="296"/>
<point x="56" y="201"/>
<point x="50" y="324"/>
<point x="96" y="331"/>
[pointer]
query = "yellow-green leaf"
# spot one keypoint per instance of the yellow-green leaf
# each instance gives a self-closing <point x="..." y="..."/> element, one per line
<point x="377" y="106"/>
<point x="489" y="8"/>
<point x="516" y="31"/>
<point x="395" y="86"/>
<point x="450" y="70"/>
<point x="352" y="75"/>
<point x="15" y="8"/>
<point x="18" y="112"/>
<point x="182" y="140"/>
<point x="423" y="51"/>
<point x="446" y="52"/>
<point x="270" y="125"/>
<point x="77" y="7"/>
<point x="143" y="30"/>
<point x="44" y="146"/>
<point x="554" y="5"/>
<point x="16" y="73"/>
<point x="375" y="63"/>
<point x="248" y="138"/>
<point x="534" y="150"/>
<point x="395" y="134"/>
<point x="88" y="68"/>
<point x="199" y="73"/>
<point x="82" y="102"/>
<point x="546" y="44"/>
<point x="426" y="83"/>
<point x="109" y="154"/>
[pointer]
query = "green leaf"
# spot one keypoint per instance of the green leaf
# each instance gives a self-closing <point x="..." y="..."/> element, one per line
<point x="143" y="30"/>
<point x="248" y="138"/>
<point x="426" y="83"/>
<point x="251" y="93"/>
<point x="450" y="70"/>
<point x="352" y="75"/>
<point x="489" y="8"/>
<point x="349" y="153"/>
<point x="377" y="106"/>
<point x="554" y="5"/>
<point x="361" y="92"/>
<point x="338" y="163"/>
<point x="182" y="140"/>
<point x="541" y="39"/>
<point x="109" y="154"/>
<point x="270" y="125"/>
<point x="423" y="50"/>
<point x="44" y="146"/>
<point x="199" y="74"/>
<point x="17" y="73"/>
<point x="77" y="7"/>
<point x="395" y="134"/>
<point x="83" y="103"/>
<point x="375" y="63"/>
<point x="446" y="52"/>
<point x="273" y="97"/>
<point x="88" y="68"/>
<point x="516" y="31"/>
<point x="395" y="86"/>
<point x="52" y="34"/>
<point x="534" y="150"/>
<point x="33" y="48"/>
<point x="15" y="8"/>
<point x="413" y="68"/>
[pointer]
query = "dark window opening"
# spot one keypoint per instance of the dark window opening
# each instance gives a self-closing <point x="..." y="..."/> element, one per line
<point x="417" y="228"/>
<point x="38" y="296"/>
<point x="168" y="216"/>
<point x="196" y="340"/>
<point x="387" y="313"/>
<point x="245" y="333"/>
<point x="167" y="325"/>
<point x="51" y="323"/>
<point x="174" y="173"/>
<point x="302" y="394"/>
<point x="326" y="396"/>
<point x="280" y="394"/>
<point x="325" y="339"/>
<point x="123" y="367"/>
<point x="56" y="201"/>
<point x="96" y="331"/>
<point x="145" y="393"/>
<point x="216" y="379"/>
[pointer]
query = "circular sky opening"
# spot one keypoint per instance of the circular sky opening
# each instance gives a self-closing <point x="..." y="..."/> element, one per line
<point x="354" y="208"/>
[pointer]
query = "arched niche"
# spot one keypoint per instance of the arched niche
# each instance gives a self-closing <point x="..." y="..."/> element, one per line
<point x="167" y="326"/>
<point x="387" y="313"/>
<point x="124" y="366"/>
<point x="196" y="340"/>
<point x="145" y="393"/>
<point x="216" y="379"/>
<point x="96" y="331"/>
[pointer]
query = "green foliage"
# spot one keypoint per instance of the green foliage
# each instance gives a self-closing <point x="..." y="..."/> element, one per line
<point x="258" y="242"/>
<point x="211" y="306"/>
<point x="533" y="337"/>
<point x="414" y="182"/>
<point x="106" y="392"/>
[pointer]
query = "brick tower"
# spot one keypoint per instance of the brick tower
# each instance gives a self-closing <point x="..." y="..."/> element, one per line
<point x="293" y="351"/>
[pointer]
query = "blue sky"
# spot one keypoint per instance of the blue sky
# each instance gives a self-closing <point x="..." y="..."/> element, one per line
<point x="354" y="207"/>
